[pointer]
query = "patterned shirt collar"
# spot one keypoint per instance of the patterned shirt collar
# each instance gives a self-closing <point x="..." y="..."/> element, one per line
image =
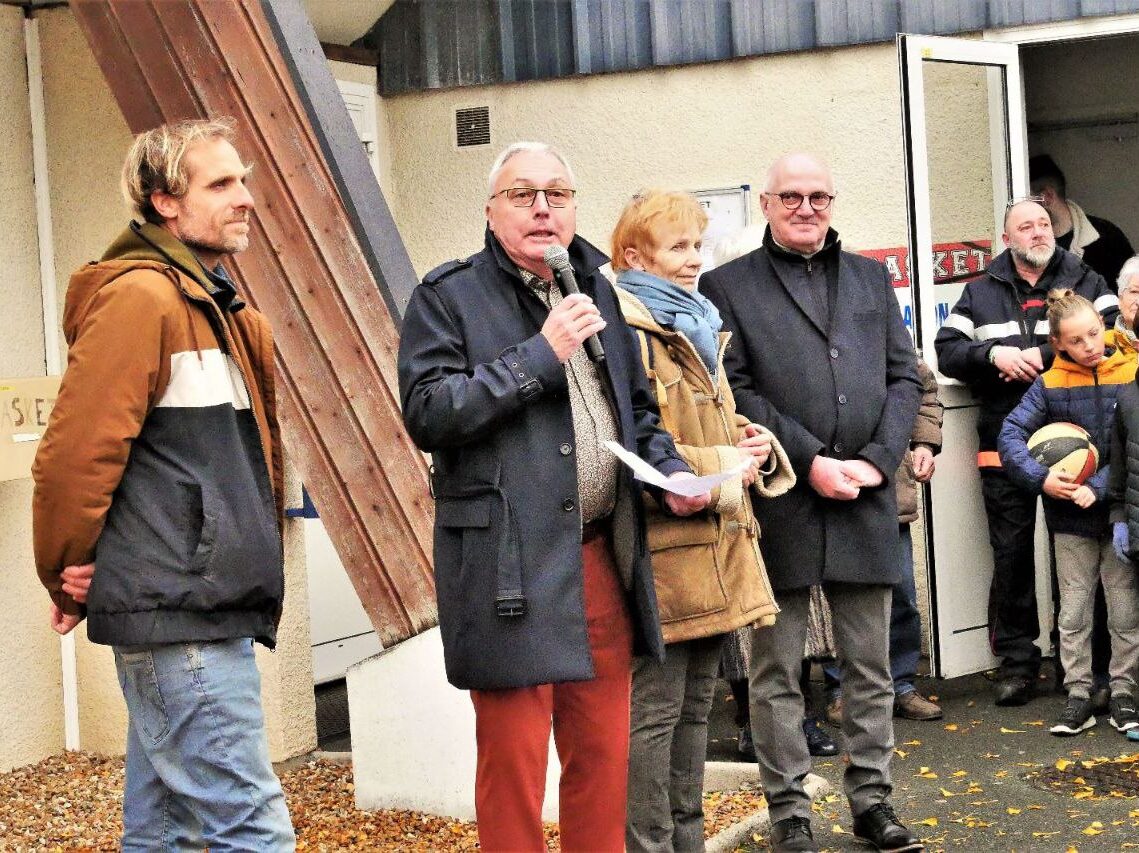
<point x="536" y="283"/>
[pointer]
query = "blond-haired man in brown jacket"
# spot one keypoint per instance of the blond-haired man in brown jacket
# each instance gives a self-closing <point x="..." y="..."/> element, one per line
<point x="157" y="501"/>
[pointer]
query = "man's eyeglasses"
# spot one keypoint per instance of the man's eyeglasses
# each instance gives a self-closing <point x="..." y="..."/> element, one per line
<point x="526" y="196"/>
<point x="793" y="200"/>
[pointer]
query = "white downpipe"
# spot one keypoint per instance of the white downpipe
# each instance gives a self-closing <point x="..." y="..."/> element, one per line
<point x="52" y="360"/>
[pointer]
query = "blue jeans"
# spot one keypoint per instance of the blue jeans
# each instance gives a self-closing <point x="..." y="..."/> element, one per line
<point x="905" y="626"/>
<point x="197" y="770"/>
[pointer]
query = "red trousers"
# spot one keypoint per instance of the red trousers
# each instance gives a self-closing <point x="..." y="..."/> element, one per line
<point x="590" y="721"/>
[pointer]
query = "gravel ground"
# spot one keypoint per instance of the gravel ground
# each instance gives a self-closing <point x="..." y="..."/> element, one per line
<point x="73" y="802"/>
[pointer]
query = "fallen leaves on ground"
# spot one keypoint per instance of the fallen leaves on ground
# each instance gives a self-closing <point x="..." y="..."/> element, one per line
<point x="723" y="808"/>
<point x="73" y="801"/>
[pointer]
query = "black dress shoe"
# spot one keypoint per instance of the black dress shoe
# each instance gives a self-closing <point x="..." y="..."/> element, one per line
<point x="819" y="743"/>
<point x="879" y="827"/>
<point x="793" y="834"/>
<point x="1013" y="690"/>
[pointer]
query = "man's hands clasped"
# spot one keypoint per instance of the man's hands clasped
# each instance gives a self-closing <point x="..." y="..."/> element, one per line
<point x="76" y="583"/>
<point x="842" y="479"/>
<point x="1017" y="365"/>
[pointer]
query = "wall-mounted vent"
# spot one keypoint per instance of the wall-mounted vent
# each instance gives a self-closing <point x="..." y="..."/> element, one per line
<point x="472" y="126"/>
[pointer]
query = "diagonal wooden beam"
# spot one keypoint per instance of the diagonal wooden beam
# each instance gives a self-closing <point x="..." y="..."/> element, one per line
<point x="307" y="269"/>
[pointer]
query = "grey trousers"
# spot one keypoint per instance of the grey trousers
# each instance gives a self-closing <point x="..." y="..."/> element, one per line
<point x="668" y="744"/>
<point x="861" y="617"/>
<point x="1081" y="562"/>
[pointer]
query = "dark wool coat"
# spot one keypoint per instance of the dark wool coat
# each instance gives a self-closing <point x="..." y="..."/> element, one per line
<point x="483" y="391"/>
<point x="1123" y="480"/>
<point x="850" y="392"/>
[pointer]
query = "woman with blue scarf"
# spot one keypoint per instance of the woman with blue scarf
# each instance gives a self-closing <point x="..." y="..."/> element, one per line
<point x="708" y="571"/>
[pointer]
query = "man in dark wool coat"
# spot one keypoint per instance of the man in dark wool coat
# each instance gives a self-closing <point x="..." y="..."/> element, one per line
<point x="820" y="356"/>
<point x="543" y="579"/>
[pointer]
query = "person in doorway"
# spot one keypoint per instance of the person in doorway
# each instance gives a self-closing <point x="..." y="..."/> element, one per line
<point x="1128" y="289"/>
<point x="1104" y="248"/>
<point x="995" y="340"/>
<point x="1081" y="387"/>
<point x="821" y="357"/>
<point x="1097" y="242"/>
<point x="905" y="620"/>
<point x="544" y="584"/>
<point x="707" y="568"/>
<point x="158" y="496"/>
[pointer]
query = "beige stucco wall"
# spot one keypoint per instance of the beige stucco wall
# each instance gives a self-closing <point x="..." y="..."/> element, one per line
<point x="693" y="127"/>
<point x="29" y="650"/>
<point x="699" y="127"/>
<point x="959" y="146"/>
<point x="87" y="138"/>
<point x="286" y="673"/>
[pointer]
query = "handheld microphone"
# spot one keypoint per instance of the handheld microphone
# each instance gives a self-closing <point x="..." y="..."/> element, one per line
<point x="557" y="259"/>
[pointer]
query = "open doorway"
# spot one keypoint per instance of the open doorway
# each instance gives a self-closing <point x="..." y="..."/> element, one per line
<point x="1082" y="108"/>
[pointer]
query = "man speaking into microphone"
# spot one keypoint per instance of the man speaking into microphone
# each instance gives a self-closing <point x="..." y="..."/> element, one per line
<point x="542" y="576"/>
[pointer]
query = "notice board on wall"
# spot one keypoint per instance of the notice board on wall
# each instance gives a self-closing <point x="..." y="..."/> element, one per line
<point x="729" y="212"/>
<point x="25" y="405"/>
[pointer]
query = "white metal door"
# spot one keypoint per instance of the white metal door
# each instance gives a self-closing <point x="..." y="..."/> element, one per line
<point x="966" y="156"/>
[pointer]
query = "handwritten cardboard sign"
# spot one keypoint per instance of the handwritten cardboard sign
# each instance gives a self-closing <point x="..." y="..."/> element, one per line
<point x="25" y="405"/>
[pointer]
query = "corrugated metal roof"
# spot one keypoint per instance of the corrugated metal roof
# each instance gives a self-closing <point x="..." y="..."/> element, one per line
<point x="428" y="44"/>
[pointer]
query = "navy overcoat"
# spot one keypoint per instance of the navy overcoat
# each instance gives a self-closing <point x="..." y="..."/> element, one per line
<point x="483" y="392"/>
<point x="850" y="391"/>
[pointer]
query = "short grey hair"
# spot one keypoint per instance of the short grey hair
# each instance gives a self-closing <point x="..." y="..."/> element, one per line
<point x="1127" y="272"/>
<point x="520" y="147"/>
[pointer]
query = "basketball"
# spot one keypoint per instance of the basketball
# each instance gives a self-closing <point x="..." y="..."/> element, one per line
<point x="1065" y="448"/>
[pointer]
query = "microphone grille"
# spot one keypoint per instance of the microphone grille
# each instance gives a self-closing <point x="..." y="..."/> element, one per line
<point x="556" y="257"/>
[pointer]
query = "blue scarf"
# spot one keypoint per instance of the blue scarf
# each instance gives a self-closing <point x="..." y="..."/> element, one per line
<point x="675" y="308"/>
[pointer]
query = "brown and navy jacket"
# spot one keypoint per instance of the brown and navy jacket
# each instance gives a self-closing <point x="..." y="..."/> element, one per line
<point x="161" y="462"/>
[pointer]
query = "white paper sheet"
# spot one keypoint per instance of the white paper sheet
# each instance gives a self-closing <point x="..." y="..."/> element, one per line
<point x="646" y="473"/>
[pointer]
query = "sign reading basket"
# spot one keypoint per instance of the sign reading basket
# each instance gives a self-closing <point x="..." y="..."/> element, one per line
<point x="25" y="405"/>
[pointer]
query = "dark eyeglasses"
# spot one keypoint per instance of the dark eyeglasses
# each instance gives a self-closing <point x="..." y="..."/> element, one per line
<point x="526" y="196"/>
<point x="793" y="200"/>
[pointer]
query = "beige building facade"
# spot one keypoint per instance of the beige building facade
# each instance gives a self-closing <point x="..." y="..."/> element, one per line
<point x="694" y="127"/>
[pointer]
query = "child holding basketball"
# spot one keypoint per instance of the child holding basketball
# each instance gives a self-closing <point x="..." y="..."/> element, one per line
<point x="1080" y="388"/>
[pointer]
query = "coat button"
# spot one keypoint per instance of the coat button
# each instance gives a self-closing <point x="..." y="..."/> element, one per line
<point x="838" y="448"/>
<point x="568" y="505"/>
<point x="834" y="352"/>
<point x="842" y="398"/>
<point x="566" y="449"/>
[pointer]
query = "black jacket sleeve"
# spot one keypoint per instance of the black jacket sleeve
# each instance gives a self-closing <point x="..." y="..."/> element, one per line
<point x="449" y="403"/>
<point x="1117" y="479"/>
<point x="959" y="354"/>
